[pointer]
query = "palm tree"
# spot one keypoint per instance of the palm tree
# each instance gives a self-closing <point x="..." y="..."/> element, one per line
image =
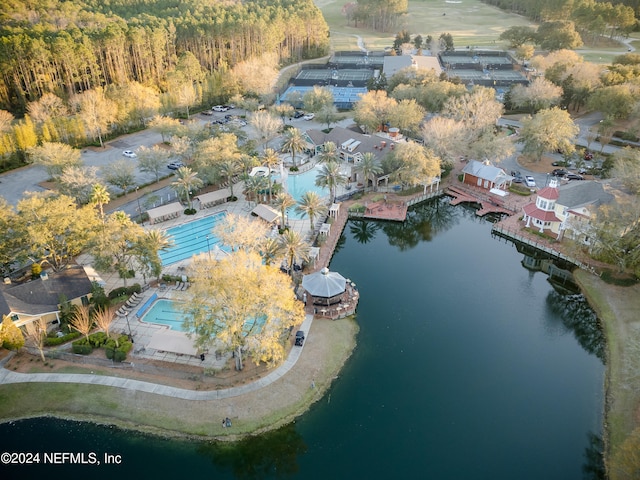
<point x="229" y="168"/>
<point x="100" y="197"/>
<point x="270" y="250"/>
<point x="284" y="201"/>
<point x="270" y="159"/>
<point x="311" y="205"/>
<point x="369" y="167"/>
<point x="151" y="244"/>
<point x="329" y="153"/>
<point x="294" y="248"/>
<point x="254" y="185"/>
<point x="187" y="181"/>
<point x="293" y="142"/>
<point x="331" y="177"/>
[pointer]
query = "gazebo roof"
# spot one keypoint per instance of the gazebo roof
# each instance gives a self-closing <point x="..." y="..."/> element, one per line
<point x="324" y="283"/>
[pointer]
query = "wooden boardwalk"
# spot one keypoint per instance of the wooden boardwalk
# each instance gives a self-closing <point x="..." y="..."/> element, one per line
<point x="487" y="205"/>
<point x="384" y="210"/>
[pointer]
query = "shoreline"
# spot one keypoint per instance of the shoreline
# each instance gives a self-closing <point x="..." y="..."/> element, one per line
<point x="287" y="398"/>
<point x="616" y="308"/>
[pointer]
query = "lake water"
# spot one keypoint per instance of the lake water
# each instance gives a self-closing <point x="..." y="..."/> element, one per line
<point x="468" y="366"/>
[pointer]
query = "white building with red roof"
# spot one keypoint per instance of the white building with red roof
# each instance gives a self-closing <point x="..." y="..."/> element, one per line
<point x="566" y="209"/>
<point x="542" y="212"/>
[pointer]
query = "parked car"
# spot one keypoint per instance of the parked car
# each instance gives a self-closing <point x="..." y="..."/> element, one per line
<point x="530" y="181"/>
<point x="299" y="338"/>
<point x="298" y="114"/>
<point x="220" y="108"/>
<point x="175" y="165"/>
<point x="129" y="153"/>
<point x="574" y="176"/>
<point x="229" y="107"/>
<point x="559" y="172"/>
<point x="309" y="116"/>
<point x="208" y="113"/>
<point x="588" y="155"/>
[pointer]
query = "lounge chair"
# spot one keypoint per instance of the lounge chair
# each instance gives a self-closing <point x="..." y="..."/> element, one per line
<point x="132" y="302"/>
<point x="179" y="285"/>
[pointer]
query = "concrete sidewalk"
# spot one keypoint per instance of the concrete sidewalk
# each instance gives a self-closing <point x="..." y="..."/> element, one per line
<point x="7" y="376"/>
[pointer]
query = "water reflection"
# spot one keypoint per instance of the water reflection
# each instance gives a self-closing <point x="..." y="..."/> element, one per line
<point x="577" y="317"/>
<point x="593" y="467"/>
<point x="363" y="230"/>
<point x="423" y="223"/>
<point x="272" y="454"/>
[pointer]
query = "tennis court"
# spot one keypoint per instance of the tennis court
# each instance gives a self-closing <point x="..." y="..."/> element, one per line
<point x="352" y="75"/>
<point x="359" y="60"/>
<point x="343" y="97"/>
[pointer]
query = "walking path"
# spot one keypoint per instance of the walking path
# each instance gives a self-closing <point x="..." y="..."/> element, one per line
<point x="7" y="376"/>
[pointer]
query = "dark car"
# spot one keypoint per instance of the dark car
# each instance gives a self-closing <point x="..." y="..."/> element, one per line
<point x="573" y="176"/>
<point x="299" y="338"/>
<point x="559" y="172"/>
<point x="298" y="114"/>
<point x="588" y="155"/>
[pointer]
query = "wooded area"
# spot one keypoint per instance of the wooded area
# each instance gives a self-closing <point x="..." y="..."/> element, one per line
<point x="66" y="48"/>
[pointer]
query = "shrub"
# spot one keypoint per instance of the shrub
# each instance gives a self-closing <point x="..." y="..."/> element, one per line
<point x="118" y="292"/>
<point x="119" y="356"/>
<point x="190" y="211"/>
<point x="53" y="341"/>
<point x="125" y="291"/>
<point x="109" y="352"/>
<point x="629" y="136"/>
<point x="293" y="169"/>
<point x="81" y="349"/>
<point x="98" y="339"/>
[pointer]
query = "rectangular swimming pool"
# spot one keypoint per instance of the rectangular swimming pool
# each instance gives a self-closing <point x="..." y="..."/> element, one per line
<point x="168" y="312"/>
<point x="192" y="238"/>
<point x="165" y="312"/>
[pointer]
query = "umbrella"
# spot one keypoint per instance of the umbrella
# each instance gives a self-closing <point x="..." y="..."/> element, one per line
<point x="324" y="284"/>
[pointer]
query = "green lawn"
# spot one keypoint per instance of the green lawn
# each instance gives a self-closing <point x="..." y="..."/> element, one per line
<point x="470" y="23"/>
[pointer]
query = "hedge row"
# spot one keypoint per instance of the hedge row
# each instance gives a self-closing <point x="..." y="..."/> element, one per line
<point x="85" y="346"/>
<point x="53" y="341"/>
<point x="122" y="291"/>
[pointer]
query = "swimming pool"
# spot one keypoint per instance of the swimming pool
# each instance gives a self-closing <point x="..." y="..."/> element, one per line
<point x="192" y="238"/>
<point x="165" y="312"/>
<point x="168" y="312"/>
<point x="298" y="185"/>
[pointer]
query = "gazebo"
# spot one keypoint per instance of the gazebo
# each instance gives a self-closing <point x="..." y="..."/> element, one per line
<point x="326" y="288"/>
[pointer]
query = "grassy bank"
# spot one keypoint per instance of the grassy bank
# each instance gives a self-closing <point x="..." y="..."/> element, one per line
<point x="328" y="346"/>
<point x="617" y="308"/>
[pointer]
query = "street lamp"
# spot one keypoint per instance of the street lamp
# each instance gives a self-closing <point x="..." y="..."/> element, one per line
<point x="126" y="316"/>
<point x="208" y="246"/>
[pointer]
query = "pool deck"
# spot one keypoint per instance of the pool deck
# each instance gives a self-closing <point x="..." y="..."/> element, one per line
<point x="142" y="332"/>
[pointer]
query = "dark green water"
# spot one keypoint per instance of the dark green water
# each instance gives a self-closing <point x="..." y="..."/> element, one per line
<point x="468" y="366"/>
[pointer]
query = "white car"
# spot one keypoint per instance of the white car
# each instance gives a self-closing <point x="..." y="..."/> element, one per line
<point x="530" y="181"/>
<point x="309" y="116"/>
<point x="220" y="108"/>
<point x="129" y="153"/>
<point x="175" y="165"/>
